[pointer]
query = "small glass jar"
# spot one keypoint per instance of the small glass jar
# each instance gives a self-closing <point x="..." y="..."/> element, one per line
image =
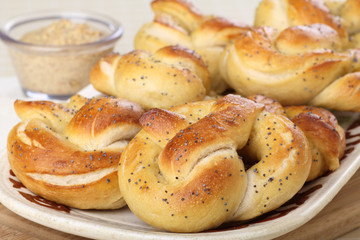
<point x="57" y="71"/>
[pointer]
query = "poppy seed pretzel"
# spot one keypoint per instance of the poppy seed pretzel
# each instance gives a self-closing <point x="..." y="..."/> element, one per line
<point x="182" y="173"/>
<point x="69" y="153"/>
<point x="172" y="75"/>
<point x="178" y="22"/>
<point x="300" y="65"/>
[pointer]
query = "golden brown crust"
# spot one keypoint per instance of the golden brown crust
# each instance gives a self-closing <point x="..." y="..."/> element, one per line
<point x="106" y="188"/>
<point x="102" y="121"/>
<point x="172" y="75"/>
<point x="182" y="172"/>
<point x="315" y="37"/>
<point x="73" y="164"/>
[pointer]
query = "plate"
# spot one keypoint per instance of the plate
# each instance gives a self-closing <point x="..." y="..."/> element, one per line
<point x="122" y="224"/>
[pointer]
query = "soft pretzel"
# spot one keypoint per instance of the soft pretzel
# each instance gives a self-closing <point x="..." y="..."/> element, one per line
<point x="325" y="135"/>
<point x="343" y="16"/>
<point x="182" y="172"/>
<point x="179" y="22"/>
<point x="300" y="65"/>
<point x="69" y="153"/>
<point x="172" y="75"/>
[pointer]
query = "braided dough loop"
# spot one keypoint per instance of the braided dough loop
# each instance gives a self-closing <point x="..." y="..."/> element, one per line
<point x="182" y="172"/>
<point x="172" y="75"/>
<point x="284" y="163"/>
<point x="345" y="88"/>
<point x="59" y="153"/>
<point x="292" y="70"/>
<point x="325" y="135"/>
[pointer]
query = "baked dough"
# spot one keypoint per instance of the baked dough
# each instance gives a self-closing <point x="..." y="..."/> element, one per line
<point x="69" y="153"/>
<point x="182" y="172"/>
<point x="172" y="75"/>
<point x="301" y="65"/>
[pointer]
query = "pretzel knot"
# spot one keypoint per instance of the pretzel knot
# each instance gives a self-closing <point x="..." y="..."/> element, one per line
<point x="68" y="153"/>
<point x="172" y="75"/>
<point x="182" y="171"/>
<point x="300" y="65"/>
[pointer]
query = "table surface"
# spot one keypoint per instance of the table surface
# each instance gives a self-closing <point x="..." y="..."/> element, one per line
<point x="132" y="14"/>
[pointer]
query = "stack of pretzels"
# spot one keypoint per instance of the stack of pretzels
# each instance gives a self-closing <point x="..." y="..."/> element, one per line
<point x="298" y="52"/>
<point x="184" y="171"/>
<point x="170" y="143"/>
<point x="297" y="63"/>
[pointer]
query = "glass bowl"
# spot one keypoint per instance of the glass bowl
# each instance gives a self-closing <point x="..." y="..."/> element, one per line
<point x="57" y="71"/>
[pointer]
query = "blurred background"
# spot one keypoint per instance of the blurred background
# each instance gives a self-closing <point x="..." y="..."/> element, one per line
<point x="131" y="13"/>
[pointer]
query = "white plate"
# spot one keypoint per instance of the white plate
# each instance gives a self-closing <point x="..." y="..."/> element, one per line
<point x="122" y="224"/>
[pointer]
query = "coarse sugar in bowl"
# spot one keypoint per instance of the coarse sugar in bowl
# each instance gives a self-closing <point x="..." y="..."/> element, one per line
<point x="53" y="52"/>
